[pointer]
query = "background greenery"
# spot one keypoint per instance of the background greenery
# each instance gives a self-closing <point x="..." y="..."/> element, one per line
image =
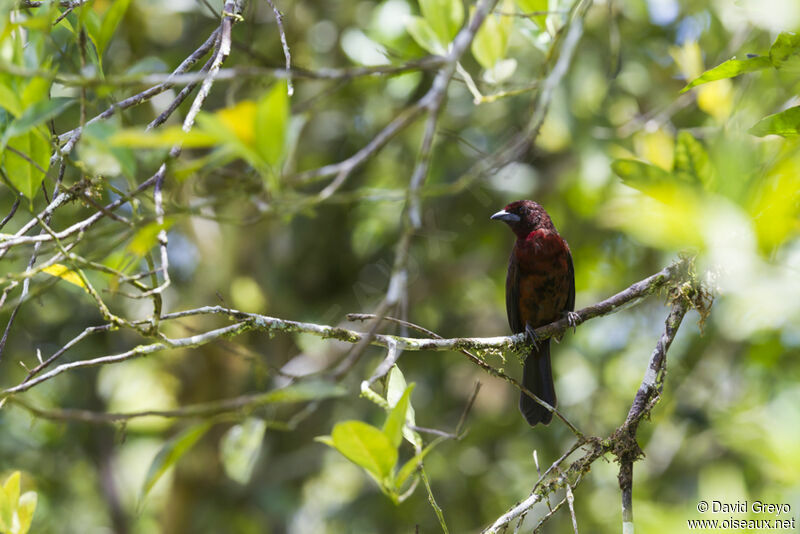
<point x="245" y="232"/>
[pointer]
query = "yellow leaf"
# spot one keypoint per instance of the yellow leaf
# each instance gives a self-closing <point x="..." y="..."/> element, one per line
<point x="64" y="272"/>
<point x="716" y="99"/>
<point x="240" y="119"/>
<point x="657" y="147"/>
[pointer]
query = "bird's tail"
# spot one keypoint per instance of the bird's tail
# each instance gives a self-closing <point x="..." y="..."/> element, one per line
<point x="538" y="379"/>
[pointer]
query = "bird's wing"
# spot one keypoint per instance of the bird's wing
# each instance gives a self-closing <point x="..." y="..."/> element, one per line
<point x="512" y="296"/>
<point x="571" y="270"/>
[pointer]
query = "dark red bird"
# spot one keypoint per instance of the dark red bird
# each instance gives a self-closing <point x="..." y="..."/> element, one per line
<point x="540" y="288"/>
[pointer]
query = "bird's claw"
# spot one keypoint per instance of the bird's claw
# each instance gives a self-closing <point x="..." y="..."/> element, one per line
<point x="533" y="337"/>
<point x="572" y="319"/>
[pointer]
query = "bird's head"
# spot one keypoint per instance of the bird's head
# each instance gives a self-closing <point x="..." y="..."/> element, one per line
<point x="524" y="217"/>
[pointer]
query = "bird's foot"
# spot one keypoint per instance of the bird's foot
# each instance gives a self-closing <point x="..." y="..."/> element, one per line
<point x="573" y="318"/>
<point x="533" y="337"/>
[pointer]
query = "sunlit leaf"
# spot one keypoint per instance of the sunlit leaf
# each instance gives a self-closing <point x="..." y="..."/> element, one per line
<point x="147" y="237"/>
<point x="240" y="448"/>
<point x="65" y="273"/>
<point x="170" y="453"/>
<point x="395" y="388"/>
<point x="271" y="124"/>
<point x="239" y="119"/>
<point x="111" y="19"/>
<point x="11" y="488"/>
<point x="365" y="446"/>
<point x="786" y="124"/>
<point x="640" y="175"/>
<point x="25" y="511"/>
<point x="444" y="16"/>
<point x="37" y="90"/>
<point x="393" y="427"/>
<point x="6" y="511"/>
<point x="533" y="6"/>
<point x="785" y="52"/>
<point x="491" y="41"/>
<point x="423" y="34"/>
<point x="26" y="174"/>
<point x="166" y="138"/>
<point x="692" y="163"/>
<point x="729" y="69"/>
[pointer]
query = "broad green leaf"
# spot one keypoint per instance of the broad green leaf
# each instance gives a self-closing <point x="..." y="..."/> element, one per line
<point x="166" y="138"/>
<point x="6" y="511"/>
<point x="365" y="446"/>
<point x="147" y="237"/>
<point x="786" y="124"/>
<point x="692" y="163"/>
<point x="410" y="466"/>
<point x="11" y="488"/>
<point x="729" y="69"/>
<point x="271" y="123"/>
<point x="393" y="427"/>
<point x="25" y="510"/>
<point x="533" y="6"/>
<point x="170" y="453"/>
<point x="501" y="71"/>
<point x="10" y="101"/>
<point x="423" y="34"/>
<point x="111" y="19"/>
<point x="88" y="18"/>
<point x="491" y="41"/>
<point x="24" y="175"/>
<point x="640" y="175"/>
<point x="35" y="115"/>
<point x="37" y="90"/>
<point x="62" y="271"/>
<point x="444" y="16"/>
<point x="327" y="440"/>
<point x="785" y="51"/>
<point x="396" y="386"/>
<point x="240" y="448"/>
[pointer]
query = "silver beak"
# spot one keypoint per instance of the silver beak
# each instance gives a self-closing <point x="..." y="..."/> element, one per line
<point x="505" y="216"/>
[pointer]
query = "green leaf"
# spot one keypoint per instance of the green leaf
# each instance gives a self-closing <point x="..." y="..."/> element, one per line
<point x="491" y="42"/>
<point x="393" y="427"/>
<point x="729" y="69"/>
<point x="10" y="101"/>
<point x="240" y="448"/>
<point x="271" y="122"/>
<point x="108" y="26"/>
<point x="410" y="466"/>
<point x="423" y="34"/>
<point x="365" y="446"/>
<point x="640" y="175"/>
<point x="25" y="510"/>
<point x="147" y="237"/>
<point x="785" y="51"/>
<point x="692" y="163"/>
<point x="35" y="115"/>
<point x="302" y="392"/>
<point x="170" y="453"/>
<point x="532" y="6"/>
<point x="6" y="511"/>
<point x="396" y="387"/>
<point x="444" y="16"/>
<point x="37" y="90"/>
<point x="166" y="138"/>
<point x="24" y="175"/>
<point x="786" y="124"/>
<point x="327" y="440"/>
<point x="11" y="488"/>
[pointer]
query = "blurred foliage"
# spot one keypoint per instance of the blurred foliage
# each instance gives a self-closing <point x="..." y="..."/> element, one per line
<point x="631" y="170"/>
